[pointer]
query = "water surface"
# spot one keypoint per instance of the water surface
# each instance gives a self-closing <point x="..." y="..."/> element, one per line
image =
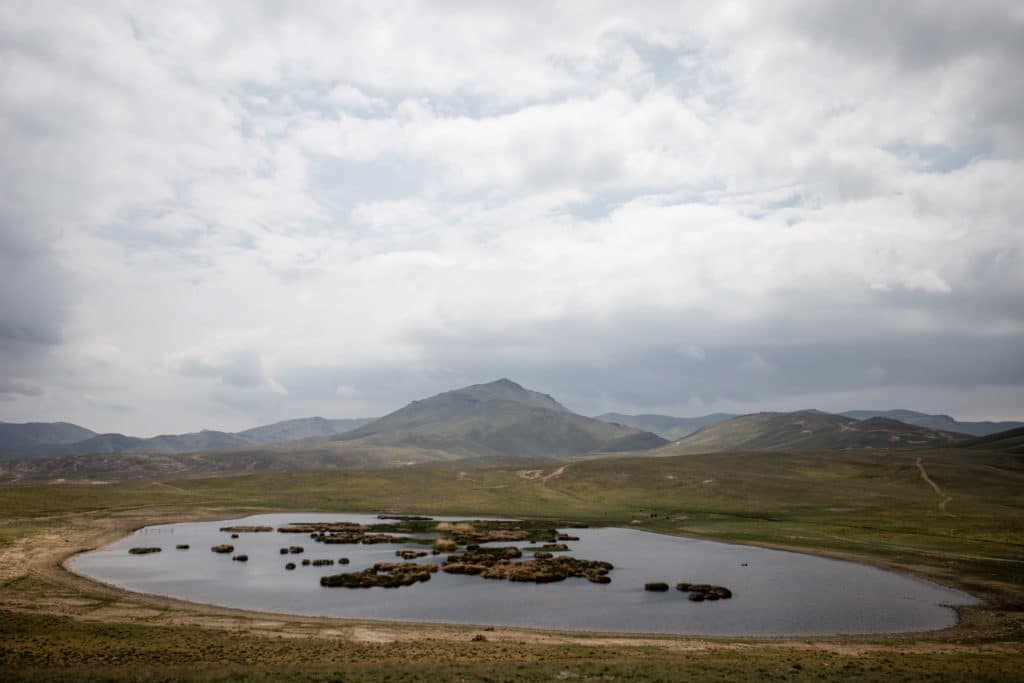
<point x="775" y="592"/>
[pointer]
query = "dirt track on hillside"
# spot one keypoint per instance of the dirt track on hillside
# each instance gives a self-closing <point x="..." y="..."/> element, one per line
<point x="944" y="499"/>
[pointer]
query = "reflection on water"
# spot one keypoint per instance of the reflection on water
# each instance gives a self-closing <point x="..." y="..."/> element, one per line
<point x="774" y="592"/>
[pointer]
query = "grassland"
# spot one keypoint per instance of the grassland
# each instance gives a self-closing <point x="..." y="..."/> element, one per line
<point x="871" y="506"/>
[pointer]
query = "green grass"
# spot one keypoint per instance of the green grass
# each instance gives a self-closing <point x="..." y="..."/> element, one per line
<point x="44" y="648"/>
<point x="869" y="505"/>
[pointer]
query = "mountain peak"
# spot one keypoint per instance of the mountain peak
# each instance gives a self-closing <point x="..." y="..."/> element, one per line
<point x="505" y="389"/>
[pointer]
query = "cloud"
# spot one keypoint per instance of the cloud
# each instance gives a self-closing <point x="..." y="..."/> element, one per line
<point x="11" y="390"/>
<point x="220" y="215"/>
<point x="237" y="368"/>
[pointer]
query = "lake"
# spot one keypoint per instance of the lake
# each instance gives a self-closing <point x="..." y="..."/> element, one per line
<point x="774" y="592"/>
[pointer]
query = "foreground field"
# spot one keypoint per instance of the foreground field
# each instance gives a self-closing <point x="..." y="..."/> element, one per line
<point x="880" y="508"/>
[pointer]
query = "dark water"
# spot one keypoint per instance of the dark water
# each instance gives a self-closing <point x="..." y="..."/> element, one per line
<point x="776" y="593"/>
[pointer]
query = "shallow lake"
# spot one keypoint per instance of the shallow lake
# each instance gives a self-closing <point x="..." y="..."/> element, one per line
<point x="774" y="592"/>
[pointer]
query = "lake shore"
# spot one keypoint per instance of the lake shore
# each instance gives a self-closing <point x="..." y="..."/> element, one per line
<point x="48" y="561"/>
<point x="625" y="609"/>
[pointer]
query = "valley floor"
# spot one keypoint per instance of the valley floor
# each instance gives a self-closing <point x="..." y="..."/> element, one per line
<point x="54" y="624"/>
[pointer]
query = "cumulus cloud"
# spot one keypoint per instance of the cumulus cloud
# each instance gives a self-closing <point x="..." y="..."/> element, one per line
<point x="219" y="215"/>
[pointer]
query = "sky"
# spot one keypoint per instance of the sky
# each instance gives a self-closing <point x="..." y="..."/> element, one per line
<point x="216" y="215"/>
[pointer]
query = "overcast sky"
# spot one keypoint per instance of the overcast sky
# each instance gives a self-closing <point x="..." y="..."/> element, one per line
<point x="222" y="216"/>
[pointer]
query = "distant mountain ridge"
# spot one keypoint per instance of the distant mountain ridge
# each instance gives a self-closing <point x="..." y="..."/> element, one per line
<point x="500" y="418"/>
<point x="666" y="426"/>
<point x="36" y="433"/>
<point x="940" y="422"/>
<point x="808" y="430"/>
<point x="38" y="440"/>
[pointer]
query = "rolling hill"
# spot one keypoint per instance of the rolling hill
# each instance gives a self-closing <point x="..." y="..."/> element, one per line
<point x="1010" y="441"/>
<point x="499" y="418"/>
<point x="665" y="426"/>
<point x="302" y="428"/>
<point x="54" y="439"/>
<point x="289" y="457"/>
<point x="940" y="422"/>
<point x="808" y="430"/>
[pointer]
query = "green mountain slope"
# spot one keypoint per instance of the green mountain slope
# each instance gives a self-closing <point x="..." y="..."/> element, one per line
<point x="289" y="457"/>
<point x="1010" y="441"/>
<point x="807" y="430"/>
<point x="500" y="418"/>
<point x="302" y="428"/>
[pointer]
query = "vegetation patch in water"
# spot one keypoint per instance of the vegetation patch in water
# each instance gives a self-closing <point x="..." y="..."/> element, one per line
<point x="700" y="592"/>
<point x="246" y="529"/>
<point x="143" y="551"/>
<point x="383" y="575"/>
<point x="223" y="548"/>
<point x="497" y="563"/>
<point x="550" y="548"/>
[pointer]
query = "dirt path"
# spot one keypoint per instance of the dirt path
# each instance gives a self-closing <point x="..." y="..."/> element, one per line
<point x="554" y="474"/>
<point x="944" y="499"/>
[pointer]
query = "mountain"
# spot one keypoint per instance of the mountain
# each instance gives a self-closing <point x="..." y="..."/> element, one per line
<point x="665" y="426"/>
<point x="54" y="439"/>
<point x="302" y="428"/>
<point x="500" y="418"/>
<point x="98" y="443"/>
<point x="941" y="422"/>
<point x="807" y="430"/>
<point x="34" y="433"/>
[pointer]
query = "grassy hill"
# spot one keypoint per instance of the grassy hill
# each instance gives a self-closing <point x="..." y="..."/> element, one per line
<point x="939" y="422"/>
<point x="299" y="429"/>
<point x="665" y="426"/>
<point x="289" y="457"/>
<point x="499" y="418"/>
<point x="807" y="430"/>
<point x="1011" y="441"/>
